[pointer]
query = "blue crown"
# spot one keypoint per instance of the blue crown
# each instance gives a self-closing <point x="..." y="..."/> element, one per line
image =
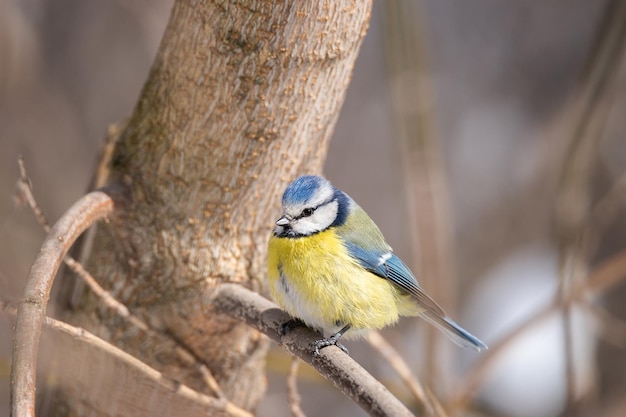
<point x="302" y="189"/>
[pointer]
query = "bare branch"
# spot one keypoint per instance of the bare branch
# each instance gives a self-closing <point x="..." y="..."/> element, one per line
<point x="604" y="276"/>
<point x="32" y="307"/>
<point x="572" y="209"/>
<point x="292" y="389"/>
<point x="332" y="363"/>
<point x="24" y="187"/>
<point x="180" y="397"/>
<point x="340" y="369"/>
<point x="607" y="274"/>
<point x="482" y="366"/>
<point x="611" y="328"/>
<point x="185" y="355"/>
<point x="609" y="205"/>
<point x="431" y="405"/>
<point x="424" y="174"/>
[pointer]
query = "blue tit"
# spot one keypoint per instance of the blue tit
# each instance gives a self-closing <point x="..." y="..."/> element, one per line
<point x="330" y="268"/>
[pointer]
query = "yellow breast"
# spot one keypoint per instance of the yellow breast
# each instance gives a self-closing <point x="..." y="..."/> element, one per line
<point x="315" y="279"/>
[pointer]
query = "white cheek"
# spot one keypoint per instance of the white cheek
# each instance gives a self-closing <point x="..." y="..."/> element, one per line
<point x="306" y="227"/>
<point x="324" y="216"/>
<point x="321" y="219"/>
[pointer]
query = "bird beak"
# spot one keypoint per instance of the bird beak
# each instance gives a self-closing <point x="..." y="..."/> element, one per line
<point x="283" y="221"/>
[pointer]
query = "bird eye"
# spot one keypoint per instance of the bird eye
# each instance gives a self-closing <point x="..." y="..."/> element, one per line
<point x="307" y="212"/>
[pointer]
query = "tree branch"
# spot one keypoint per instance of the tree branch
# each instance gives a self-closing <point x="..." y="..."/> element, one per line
<point x="25" y="193"/>
<point x="332" y="363"/>
<point x="231" y="299"/>
<point x="606" y="275"/>
<point x="431" y="405"/>
<point x="32" y="307"/>
<point x="612" y="329"/>
<point x="574" y="192"/>
<point x="424" y="173"/>
<point x="177" y="397"/>
<point x="234" y="300"/>
<point x="292" y="389"/>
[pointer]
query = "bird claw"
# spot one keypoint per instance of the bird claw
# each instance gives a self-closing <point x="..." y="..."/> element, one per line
<point x="318" y="344"/>
<point x="329" y="341"/>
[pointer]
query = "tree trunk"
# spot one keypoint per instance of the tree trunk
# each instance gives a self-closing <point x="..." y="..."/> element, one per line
<point x="241" y="98"/>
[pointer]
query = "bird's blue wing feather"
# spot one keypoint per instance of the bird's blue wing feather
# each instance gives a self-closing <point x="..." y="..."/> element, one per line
<point x="368" y="259"/>
<point x="400" y="274"/>
<point x="367" y="246"/>
<point x="387" y="265"/>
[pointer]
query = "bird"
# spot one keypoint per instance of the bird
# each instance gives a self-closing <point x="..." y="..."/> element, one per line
<point x="330" y="268"/>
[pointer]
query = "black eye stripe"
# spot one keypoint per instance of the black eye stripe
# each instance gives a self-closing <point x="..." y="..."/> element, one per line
<point x="308" y="211"/>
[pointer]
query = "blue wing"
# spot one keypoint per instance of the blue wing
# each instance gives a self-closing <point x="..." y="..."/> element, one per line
<point x="387" y="265"/>
<point x="366" y="244"/>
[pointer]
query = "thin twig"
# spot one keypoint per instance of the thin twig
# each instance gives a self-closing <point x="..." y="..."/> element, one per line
<point x="607" y="274"/>
<point x="573" y="203"/>
<point x="158" y="379"/>
<point x="346" y="374"/>
<point x="185" y="355"/>
<point x="24" y="187"/>
<point x="480" y="369"/>
<point x="604" y="276"/>
<point x="292" y="389"/>
<point x="609" y="205"/>
<point x="611" y="329"/>
<point x="32" y="307"/>
<point x="424" y="175"/>
<point x="431" y="405"/>
<point x="208" y="378"/>
<point x="7" y="306"/>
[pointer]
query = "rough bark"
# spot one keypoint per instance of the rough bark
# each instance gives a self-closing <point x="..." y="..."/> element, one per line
<point x="242" y="97"/>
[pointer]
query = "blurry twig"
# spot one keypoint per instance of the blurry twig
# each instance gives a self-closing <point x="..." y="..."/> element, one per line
<point x="430" y="403"/>
<point x="412" y="102"/>
<point x="612" y="329"/>
<point x="610" y="203"/>
<point x="107" y="147"/>
<point x="186" y="356"/>
<point x="32" y="307"/>
<point x="292" y="389"/>
<point x="607" y="274"/>
<point x="604" y="276"/>
<point x="574" y="192"/>
<point x="99" y="179"/>
<point x="155" y="377"/>
<point x="483" y="365"/>
<point x="25" y="192"/>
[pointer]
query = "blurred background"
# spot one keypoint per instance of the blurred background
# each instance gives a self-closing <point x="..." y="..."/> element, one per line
<point x="485" y="138"/>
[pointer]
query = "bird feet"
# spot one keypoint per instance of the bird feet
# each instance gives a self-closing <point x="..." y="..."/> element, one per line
<point x="329" y="341"/>
<point x="318" y="344"/>
<point x="332" y="340"/>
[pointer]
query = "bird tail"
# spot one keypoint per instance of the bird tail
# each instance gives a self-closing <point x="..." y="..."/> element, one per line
<point x="456" y="333"/>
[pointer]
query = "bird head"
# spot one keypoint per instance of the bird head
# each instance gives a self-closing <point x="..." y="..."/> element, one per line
<point x="310" y="205"/>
